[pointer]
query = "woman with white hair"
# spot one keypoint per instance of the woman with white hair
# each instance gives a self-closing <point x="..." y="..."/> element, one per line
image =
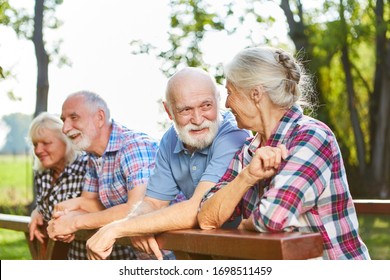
<point x="290" y="176"/>
<point x="59" y="171"/>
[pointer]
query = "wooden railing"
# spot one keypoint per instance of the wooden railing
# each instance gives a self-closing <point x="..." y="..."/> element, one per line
<point x="200" y="244"/>
<point x="211" y="244"/>
<point x="372" y="206"/>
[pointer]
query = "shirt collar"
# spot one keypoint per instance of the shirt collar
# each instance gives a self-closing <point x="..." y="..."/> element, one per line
<point x="115" y="141"/>
<point x="286" y="126"/>
<point x="283" y="131"/>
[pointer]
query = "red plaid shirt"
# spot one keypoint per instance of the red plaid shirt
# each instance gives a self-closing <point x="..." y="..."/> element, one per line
<point x="310" y="191"/>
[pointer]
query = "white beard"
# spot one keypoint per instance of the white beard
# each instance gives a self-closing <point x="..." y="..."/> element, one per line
<point x="201" y="141"/>
<point x="84" y="143"/>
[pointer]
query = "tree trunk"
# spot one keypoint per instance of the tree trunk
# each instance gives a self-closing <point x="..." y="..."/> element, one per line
<point x="42" y="59"/>
<point x="380" y="42"/>
<point x="380" y="146"/>
<point x="354" y="116"/>
<point x="42" y="69"/>
<point x="299" y="35"/>
<point x="379" y="110"/>
<point x="297" y="28"/>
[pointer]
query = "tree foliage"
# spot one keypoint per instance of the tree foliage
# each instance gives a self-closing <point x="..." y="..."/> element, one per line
<point x="32" y="27"/>
<point x="4" y="20"/>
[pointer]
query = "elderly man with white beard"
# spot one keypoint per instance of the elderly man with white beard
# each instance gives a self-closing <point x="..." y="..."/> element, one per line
<point x="193" y="155"/>
<point x="120" y="165"/>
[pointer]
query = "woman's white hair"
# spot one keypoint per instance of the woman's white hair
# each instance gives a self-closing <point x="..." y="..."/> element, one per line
<point x="283" y="78"/>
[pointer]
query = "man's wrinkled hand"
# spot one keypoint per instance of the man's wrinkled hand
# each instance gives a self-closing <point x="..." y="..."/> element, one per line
<point x="60" y="227"/>
<point x="147" y="244"/>
<point x="100" y="245"/>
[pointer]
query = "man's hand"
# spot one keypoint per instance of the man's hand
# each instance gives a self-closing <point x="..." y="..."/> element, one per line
<point x="99" y="246"/>
<point x="34" y="226"/>
<point x="62" y="226"/>
<point x="147" y="244"/>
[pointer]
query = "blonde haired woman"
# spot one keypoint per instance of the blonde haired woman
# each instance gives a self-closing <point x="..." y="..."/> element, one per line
<point x="59" y="171"/>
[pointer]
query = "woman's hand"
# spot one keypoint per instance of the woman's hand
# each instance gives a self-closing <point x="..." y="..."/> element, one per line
<point x="265" y="162"/>
<point x="247" y="224"/>
<point x="35" y="226"/>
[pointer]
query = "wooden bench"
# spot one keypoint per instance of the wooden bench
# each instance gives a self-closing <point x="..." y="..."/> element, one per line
<point x="201" y="244"/>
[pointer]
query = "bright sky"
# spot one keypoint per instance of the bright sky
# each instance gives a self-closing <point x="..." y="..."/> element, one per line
<point x="96" y="36"/>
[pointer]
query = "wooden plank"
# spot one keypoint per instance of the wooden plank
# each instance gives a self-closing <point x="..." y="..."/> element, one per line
<point x="219" y="243"/>
<point x="233" y="244"/>
<point x="236" y="244"/>
<point x="372" y="206"/>
<point x="14" y="222"/>
<point x="203" y="244"/>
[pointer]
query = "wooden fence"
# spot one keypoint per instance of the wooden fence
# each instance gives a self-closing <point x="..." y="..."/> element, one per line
<point x="211" y="244"/>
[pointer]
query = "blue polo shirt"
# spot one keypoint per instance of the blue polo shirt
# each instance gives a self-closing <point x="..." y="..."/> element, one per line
<point x="178" y="170"/>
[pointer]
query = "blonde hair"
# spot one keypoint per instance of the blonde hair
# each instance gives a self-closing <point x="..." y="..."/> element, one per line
<point x="283" y="78"/>
<point x="53" y="123"/>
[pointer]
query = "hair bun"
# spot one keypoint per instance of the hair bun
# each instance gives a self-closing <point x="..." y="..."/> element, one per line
<point x="293" y="72"/>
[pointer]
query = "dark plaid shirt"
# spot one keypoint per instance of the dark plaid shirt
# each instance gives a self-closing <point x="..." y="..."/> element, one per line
<point x="68" y="185"/>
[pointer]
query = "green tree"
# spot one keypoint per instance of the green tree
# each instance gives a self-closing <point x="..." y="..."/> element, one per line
<point x="4" y="20"/>
<point x="352" y="49"/>
<point x="32" y="27"/>
<point x="190" y="22"/>
<point x="16" y="143"/>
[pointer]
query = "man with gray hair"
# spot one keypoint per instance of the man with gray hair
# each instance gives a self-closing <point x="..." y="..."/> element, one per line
<point x="193" y="155"/>
<point x="121" y="161"/>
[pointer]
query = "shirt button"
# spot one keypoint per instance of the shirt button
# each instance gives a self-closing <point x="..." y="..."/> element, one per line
<point x="194" y="168"/>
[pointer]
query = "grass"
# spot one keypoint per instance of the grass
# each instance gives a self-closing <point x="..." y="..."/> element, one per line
<point x="15" y="180"/>
<point x="16" y="193"/>
<point x="13" y="245"/>
<point x="374" y="231"/>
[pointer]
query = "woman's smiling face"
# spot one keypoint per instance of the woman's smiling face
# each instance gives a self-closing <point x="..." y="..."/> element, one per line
<point x="50" y="149"/>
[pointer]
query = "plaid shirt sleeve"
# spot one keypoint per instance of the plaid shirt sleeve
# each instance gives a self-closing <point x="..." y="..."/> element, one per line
<point x="299" y="182"/>
<point x="138" y="161"/>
